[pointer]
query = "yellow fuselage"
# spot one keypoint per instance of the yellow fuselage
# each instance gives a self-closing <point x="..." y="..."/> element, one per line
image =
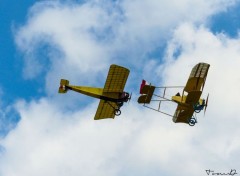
<point x="94" y="92"/>
<point x="181" y="100"/>
<point x="89" y="91"/>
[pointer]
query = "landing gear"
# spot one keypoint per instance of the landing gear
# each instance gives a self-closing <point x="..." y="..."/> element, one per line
<point x="198" y="107"/>
<point x="117" y="112"/>
<point x="120" y="104"/>
<point x="192" y="121"/>
<point x="197" y="110"/>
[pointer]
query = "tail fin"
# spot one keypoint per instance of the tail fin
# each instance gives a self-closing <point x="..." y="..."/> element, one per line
<point x="142" y="85"/>
<point x="63" y="86"/>
<point x="146" y="92"/>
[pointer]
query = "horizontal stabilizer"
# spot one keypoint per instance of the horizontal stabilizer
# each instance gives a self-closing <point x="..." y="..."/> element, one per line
<point x="147" y="91"/>
<point x="63" y="86"/>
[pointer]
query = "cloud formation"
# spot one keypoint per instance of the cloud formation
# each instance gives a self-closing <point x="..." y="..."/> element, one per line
<point x="86" y="38"/>
<point x="95" y="33"/>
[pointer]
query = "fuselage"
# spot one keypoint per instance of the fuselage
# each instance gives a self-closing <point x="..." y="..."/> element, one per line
<point x="181" y="100"/>
<point x="100" y="94"/>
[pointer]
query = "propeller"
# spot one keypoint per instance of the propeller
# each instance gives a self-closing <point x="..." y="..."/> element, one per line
<point x="206" y="104"/>
<point x="129" y="99"/>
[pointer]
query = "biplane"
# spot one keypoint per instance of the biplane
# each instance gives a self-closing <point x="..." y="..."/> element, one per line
<point x="188" y="103"/>
<point x="112" y="96"/>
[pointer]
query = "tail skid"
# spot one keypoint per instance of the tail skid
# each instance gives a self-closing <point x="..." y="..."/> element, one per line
<point x="63" y="86"/>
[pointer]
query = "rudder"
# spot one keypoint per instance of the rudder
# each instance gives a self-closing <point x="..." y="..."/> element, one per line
<point x="63" y="86"/>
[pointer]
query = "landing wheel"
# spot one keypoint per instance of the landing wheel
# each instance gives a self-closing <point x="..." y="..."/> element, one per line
<point x="120" y="104"/>
<point x="197" y="110"/>
<point x="117" y="112"/>
<point x="192" y="121"/>
<point x="195" y="107"/>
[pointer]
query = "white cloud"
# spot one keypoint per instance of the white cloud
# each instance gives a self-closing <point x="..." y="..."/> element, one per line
<point x="8" y="116"/>
<point x="222" y="53"/>
<point x="50" y="140"/>
<point x="87" y="37"/>
<point x="200" y="45"/>
<point x="66" y="28"/>
<point x="72" y="143"/>
<point x="57" y="143"/>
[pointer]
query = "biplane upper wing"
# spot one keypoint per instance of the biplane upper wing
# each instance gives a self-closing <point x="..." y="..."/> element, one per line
<point x="105" y="110"/>
<point x="116" y="79"/>
<point x="183" y="114"/>
<point x="197" y="77"/>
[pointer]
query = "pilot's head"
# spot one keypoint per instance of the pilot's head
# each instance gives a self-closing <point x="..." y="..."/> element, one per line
<point x="126" y="96"/>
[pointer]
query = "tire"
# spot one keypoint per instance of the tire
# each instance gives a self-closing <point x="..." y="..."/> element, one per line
<point x="192" y="121"/>
<point x="117" y="112"/>
<point x="197" y="110"/>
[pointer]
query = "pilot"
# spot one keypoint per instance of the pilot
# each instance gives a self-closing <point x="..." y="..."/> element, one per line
<point x="125" y="96"/>
<point x="199" y="106"/>
<point x="178" y="94"/>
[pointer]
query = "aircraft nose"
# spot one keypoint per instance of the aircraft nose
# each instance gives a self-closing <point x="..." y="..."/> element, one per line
<point x="62" y="87"/>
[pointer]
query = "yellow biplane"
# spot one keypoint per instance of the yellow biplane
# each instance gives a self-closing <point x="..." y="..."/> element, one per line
<point x="112" y="97"/>
<point x="189" y="103"/>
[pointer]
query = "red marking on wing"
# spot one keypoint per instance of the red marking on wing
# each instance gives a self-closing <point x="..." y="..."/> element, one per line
<point x="62" y="87"/>
<point x="142" y="85"/>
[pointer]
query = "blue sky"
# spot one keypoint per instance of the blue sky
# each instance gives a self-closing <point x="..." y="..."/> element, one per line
<point x="41" y="42"/>
<point x="11" y="17"/>
<point x="227" y="22"/>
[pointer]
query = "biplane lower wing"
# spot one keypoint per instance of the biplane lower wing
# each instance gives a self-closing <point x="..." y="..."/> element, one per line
<point x="106" y="109"/>
<point x="183" y="114"/>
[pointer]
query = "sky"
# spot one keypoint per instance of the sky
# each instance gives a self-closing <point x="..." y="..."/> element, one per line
<point x="45" y="133"/>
